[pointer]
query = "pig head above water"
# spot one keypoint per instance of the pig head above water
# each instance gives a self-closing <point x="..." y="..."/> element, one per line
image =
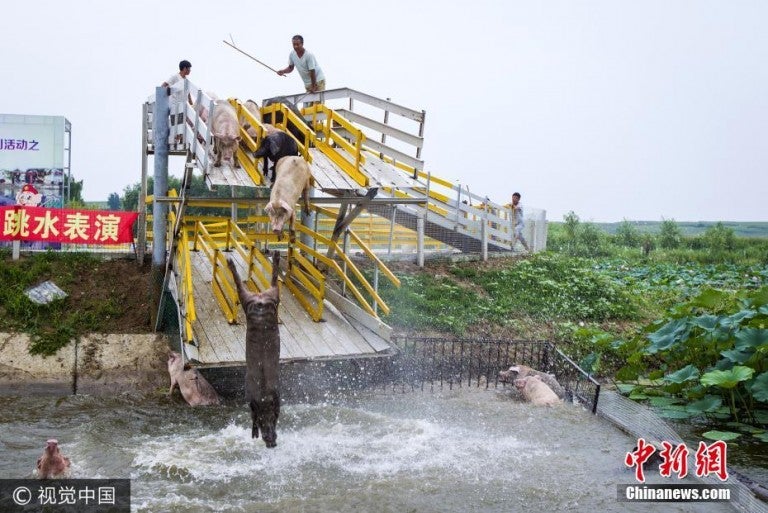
<point x="293" y="179"/>
<point x="194" y="388"/>
<point x="52" y="464"/>
<point x="226" y="133"/>
<point x="536" y="391"/>
<point x="262" y="354"/>
<point x="522" y="371"/>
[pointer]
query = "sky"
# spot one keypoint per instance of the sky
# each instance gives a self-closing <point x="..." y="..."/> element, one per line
<point x="612" y="109"/>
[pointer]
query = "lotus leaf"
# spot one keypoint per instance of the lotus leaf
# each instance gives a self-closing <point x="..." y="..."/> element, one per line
<point x="727" y="378"/>
<point x="721" y="435"/>
<point x="759" y="387"/>
<point x="687" y="373"/>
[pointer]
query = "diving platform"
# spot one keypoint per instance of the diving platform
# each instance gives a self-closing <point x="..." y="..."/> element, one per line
<point x="218" y="343"/>
<point x="330" y="305"/>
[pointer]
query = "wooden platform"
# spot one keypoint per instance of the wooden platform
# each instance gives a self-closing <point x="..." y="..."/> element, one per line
<point x="328" y="177"/>
<point x="219" y="343"/>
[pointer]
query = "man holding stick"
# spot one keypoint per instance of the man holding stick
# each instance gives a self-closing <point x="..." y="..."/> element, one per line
<point x="306" y="64"/>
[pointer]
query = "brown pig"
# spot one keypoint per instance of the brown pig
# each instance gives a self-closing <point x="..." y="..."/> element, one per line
<point x="262" y="353"/>
<point x="293" y="179"/>
<point x="521" y="371"/>
<point x="194" y="388"/>
<point x="536" y="391"/>
<point x="52" y="464"/>
<point x="226" y="133"/>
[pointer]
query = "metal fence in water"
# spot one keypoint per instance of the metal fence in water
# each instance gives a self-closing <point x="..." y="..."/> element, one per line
<point x="439" y="363"/>
<point x="430" y="364"/>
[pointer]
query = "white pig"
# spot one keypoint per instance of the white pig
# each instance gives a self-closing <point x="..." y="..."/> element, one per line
<point x="193" y="386"/>
<point x="293" y="178"/>
<point x="521" y="371"/>
<point x="536" y="391"/>
<point x="253" y="108"/>
<point x="226" y="133"/>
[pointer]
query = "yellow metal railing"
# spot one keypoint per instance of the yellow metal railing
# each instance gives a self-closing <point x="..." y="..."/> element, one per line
<point x="303" y="272"/>
<point x="221" y="285"/>
<point x="330" y="139"/>
<point x="184" y="265"/>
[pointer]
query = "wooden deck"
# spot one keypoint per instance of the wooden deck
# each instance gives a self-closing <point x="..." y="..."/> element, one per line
<point x="219" y="343"/>
<point x="327" y="176"/>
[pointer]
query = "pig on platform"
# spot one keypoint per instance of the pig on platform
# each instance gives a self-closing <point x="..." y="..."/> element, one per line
<point x="226" y="133"/>
<point x="293" y="180"/>
<point x="194" y="388"/>
<point x="262" y="354"/>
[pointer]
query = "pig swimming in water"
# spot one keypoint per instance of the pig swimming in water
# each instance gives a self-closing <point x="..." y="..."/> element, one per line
<point x="521" y="371"/>
<point x="262" y="354"/>
<point x="293" y="179"/>
<point x="52" y="464"/>
<point x="194" y="388"/>
<point x="536" y="391"/>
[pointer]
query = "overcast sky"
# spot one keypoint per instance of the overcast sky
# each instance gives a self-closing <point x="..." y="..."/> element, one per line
<point x="613" y="109"/>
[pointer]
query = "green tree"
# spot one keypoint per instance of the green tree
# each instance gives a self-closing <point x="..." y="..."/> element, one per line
<point x="113" y="201"/>
<point x="75" y="190"/>
<point x="719" y="238"/>
<point x="670" y="235"/>
<point x="571" y="226"/>
<point x="627" y="235"/>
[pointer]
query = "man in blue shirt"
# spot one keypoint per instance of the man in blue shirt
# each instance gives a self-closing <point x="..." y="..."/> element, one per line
<point x="306" y="64"/>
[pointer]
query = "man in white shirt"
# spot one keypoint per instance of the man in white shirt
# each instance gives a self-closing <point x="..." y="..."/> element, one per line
<point x="175" y="85"/>
<point x="519" y="221"/>
<point x="306" y="64"/>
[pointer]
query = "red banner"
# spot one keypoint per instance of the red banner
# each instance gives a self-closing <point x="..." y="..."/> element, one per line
<point x="69" y="226"/>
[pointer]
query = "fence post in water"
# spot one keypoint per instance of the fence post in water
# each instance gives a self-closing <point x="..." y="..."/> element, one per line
<point x="160" y="130"/>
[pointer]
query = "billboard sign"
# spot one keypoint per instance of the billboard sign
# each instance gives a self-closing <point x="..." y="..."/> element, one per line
<point x="32" y="153"/>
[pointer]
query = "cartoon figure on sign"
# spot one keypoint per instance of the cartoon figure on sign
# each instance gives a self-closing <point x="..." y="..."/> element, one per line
<point x="28" y="196"/>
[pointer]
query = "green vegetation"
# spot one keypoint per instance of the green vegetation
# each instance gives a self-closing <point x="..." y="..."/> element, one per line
<point x="56" y="324"/>
<point x="682" y="320"/>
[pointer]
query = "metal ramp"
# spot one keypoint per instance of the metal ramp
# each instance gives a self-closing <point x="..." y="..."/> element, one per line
<point x="352" y="170"/>
<point x="350" y="153"/>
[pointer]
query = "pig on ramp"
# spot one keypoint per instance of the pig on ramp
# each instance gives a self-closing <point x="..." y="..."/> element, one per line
<point x="226" y="133"/>
<point x="262" y="354"/>
<point x="194" y="388"/>
<point x="276" y="145"/>
<point x="293" y="179"/>
<point x="536" y="391"/>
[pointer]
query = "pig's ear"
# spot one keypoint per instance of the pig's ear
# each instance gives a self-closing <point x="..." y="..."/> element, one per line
<point x="286" y="206"/>
<point x="269" y="209"/>
<point x="274" y="146"/>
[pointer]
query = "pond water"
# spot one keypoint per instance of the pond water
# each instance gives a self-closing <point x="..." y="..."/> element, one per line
<point x="465" y="450"/>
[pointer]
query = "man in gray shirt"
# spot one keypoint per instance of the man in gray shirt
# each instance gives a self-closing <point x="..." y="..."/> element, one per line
<point x="310" y="72"/>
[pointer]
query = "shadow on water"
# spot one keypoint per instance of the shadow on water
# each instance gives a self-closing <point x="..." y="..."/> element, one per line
<point x="463" y="450"/>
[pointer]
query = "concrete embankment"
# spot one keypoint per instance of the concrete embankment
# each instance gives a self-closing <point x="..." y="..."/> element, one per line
<point x="95" y="364"/>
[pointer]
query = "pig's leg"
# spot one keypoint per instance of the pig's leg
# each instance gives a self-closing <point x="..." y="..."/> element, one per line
<point x="254" y="418"/>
